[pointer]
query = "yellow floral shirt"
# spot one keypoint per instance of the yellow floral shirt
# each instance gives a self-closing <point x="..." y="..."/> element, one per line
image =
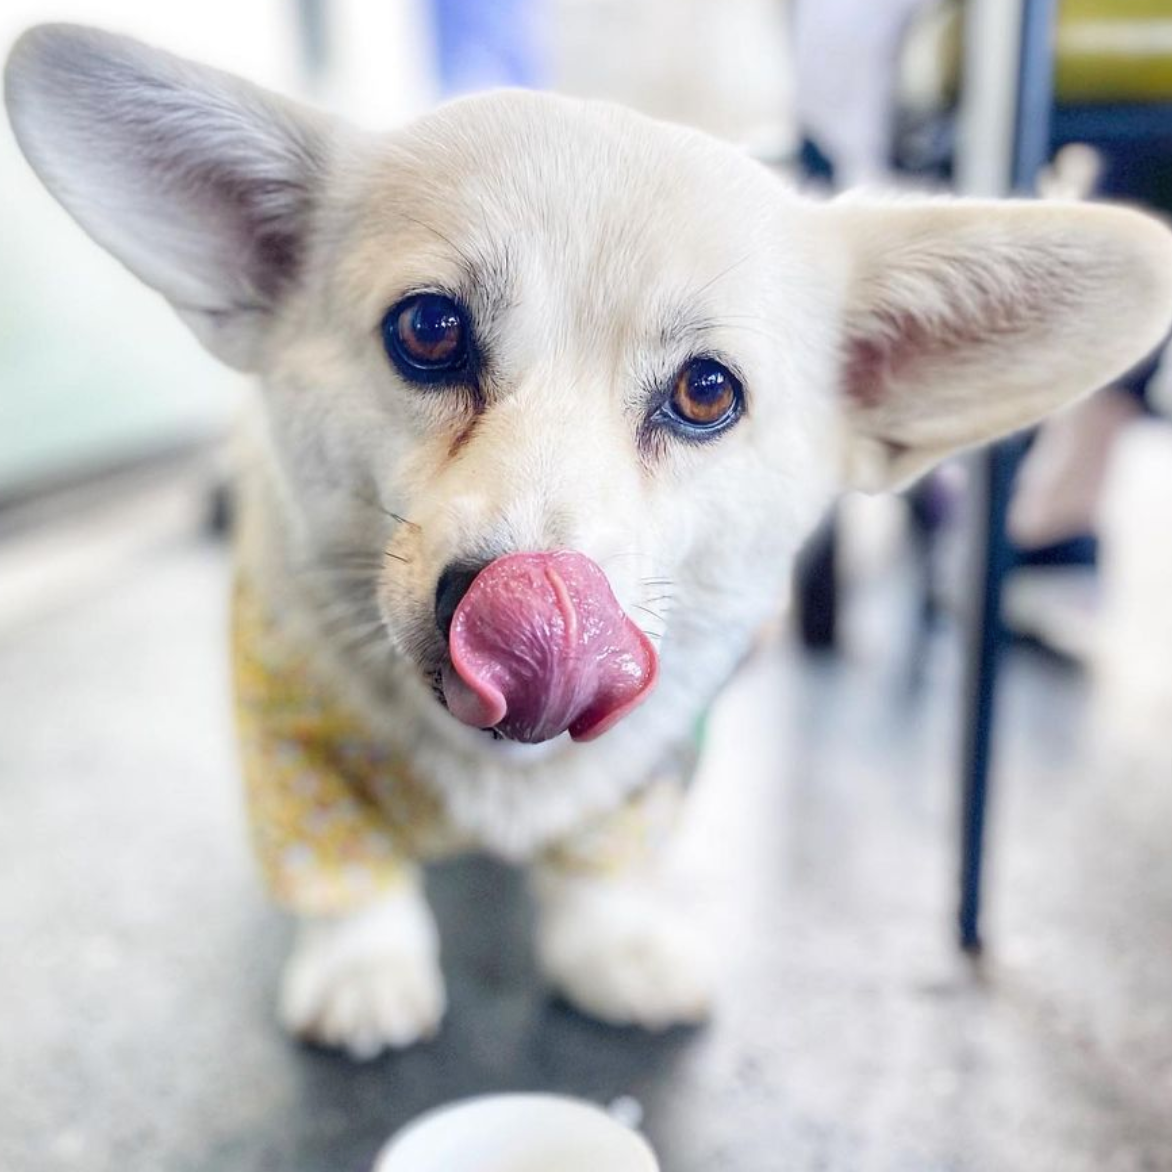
<point x="337" y="816"/>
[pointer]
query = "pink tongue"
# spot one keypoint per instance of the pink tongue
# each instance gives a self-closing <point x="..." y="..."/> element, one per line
<point x="539" y="644"/>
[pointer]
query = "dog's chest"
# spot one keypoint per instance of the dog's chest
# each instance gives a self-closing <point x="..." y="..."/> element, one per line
<point x="336" y="812"/>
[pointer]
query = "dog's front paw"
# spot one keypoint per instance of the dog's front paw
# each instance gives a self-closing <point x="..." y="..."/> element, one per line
<point x="366" y="982"/>
<point x="623" y="953"/>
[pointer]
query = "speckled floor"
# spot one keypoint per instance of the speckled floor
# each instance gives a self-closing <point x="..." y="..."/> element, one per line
<point x="139" y="959"/>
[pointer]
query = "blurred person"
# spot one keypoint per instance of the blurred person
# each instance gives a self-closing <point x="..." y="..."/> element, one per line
<point x="845" y="54"/>
<point x="1133" y="643"/>
<point x="484" y="45"/>
<point x="725" y="67"/>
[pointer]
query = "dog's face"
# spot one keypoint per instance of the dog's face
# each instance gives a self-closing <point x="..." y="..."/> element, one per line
<point x="527" y="325"/>
<point x="566" y="328"/>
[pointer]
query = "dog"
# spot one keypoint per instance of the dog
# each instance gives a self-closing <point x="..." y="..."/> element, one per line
<point x="550" y="395"/>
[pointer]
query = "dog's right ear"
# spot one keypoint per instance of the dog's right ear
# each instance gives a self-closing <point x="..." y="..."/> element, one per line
<point x="200" y="183"/>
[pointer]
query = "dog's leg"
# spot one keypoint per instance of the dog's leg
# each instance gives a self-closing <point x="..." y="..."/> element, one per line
<point x="612" y="935"/>
<point x="368" y="980"/>
<point x="364" y="974"/>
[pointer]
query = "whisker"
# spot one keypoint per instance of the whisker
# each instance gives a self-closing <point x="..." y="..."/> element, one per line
<point x="337" y="626"/>
<point x="346" y="556"/>
<point x="369" y="629"/>
<point x="366" y="647"/>
<point x="742" y="317"/>
<point x="750" y="330"/>
<point x="353" y="634"/>
<point x="347" y="608"/>
<point x="396" y="557"/>
<point x="695" y="294"/>
<point x="355" y="567"/>
<point x="372" y="503"/>
<point x="468" y="261"/>
<point x="342" y="572"/>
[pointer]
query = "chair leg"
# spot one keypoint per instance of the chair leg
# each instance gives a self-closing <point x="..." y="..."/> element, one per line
<point x="816" y="588"/>
<point x="1034" y="101"/>
<point x="997" y="464"/>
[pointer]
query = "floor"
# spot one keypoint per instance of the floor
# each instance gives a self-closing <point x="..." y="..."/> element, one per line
<point x="139" y="958"/>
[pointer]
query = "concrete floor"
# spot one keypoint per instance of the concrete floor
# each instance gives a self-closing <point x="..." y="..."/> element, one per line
<point x="139" y="958"/>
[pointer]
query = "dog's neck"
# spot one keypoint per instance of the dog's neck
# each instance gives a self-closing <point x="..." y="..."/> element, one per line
<point x="512" y="799"/>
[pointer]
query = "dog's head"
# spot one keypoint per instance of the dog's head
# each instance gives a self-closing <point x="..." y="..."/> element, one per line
<point x="613" y="361"/>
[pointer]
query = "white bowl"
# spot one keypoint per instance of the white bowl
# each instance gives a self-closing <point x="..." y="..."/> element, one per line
<point x="517" y="1133"/>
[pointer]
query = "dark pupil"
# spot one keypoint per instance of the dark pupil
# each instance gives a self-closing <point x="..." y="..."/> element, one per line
<point x="706" y="383"/>
<point x="432" y="330"/>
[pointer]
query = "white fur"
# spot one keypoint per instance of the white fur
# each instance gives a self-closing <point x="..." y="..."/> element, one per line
<point x="366" y="981"/>
<point x="598" y="251"/>
<point x="625" y="950"/>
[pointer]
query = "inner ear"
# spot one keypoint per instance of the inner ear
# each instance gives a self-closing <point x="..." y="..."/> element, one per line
<point x="877" y="362"/>
<point x="904" y="373"/>
<point x="966" y="320"/>
<point x="200" y="183"/>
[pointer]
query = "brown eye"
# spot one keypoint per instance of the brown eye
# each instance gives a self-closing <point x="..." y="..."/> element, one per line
<point x="706" y="395"/>
<point x="426" y="337"/>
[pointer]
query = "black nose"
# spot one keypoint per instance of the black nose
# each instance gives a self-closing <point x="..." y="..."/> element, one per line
<point x="453" y="585"/>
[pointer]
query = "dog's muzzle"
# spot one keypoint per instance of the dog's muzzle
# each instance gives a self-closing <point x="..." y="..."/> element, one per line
<point x="540" y="645"/>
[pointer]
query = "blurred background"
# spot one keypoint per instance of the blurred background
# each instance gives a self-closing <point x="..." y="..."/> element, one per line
<point x="934" y="814"/>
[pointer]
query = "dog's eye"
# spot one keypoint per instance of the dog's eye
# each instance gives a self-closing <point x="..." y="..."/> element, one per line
<point x="426" y="337"/>
<point x="705" y="396"/>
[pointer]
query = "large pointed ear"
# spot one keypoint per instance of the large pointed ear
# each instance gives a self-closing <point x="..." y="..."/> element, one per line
<point x="966" y="320"/>
<point x="201" y="184"/>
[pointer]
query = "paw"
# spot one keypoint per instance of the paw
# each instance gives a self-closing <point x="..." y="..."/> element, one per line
<point x="625" y="955"/>
<point x="366" y="982"/>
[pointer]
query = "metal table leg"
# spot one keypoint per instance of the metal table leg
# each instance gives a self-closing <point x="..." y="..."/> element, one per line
<point x="1032" y="106"/>
<point x="997" y="466"/>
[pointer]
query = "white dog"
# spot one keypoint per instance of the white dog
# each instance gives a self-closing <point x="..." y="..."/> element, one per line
<point x="551" y="395"/>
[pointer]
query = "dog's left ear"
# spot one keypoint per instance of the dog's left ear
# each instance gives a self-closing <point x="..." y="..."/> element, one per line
<point x="200" y="183"/>
<point x="967" y="320"/>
